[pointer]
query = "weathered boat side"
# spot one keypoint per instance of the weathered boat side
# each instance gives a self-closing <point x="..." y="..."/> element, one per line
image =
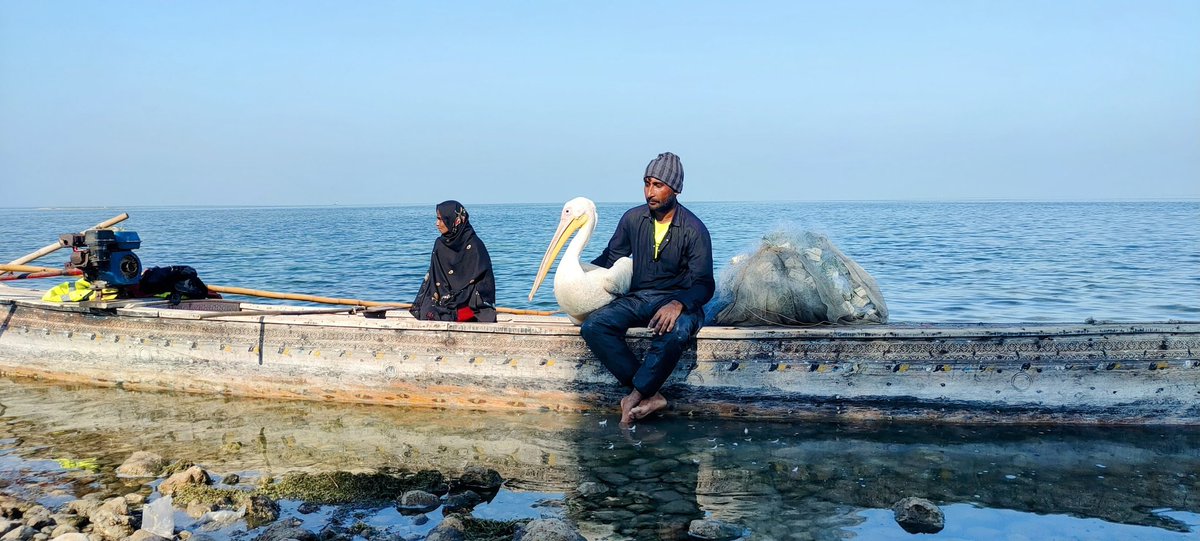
<point x="1145" y="373"/>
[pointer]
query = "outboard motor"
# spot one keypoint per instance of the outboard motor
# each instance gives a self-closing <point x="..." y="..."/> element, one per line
<point x="105" y="256"/>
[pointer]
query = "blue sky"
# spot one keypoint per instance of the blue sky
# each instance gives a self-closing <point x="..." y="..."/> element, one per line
<point x="286" y="103"/>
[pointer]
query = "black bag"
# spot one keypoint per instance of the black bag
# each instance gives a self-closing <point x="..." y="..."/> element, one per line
<point x="179" y="282"/>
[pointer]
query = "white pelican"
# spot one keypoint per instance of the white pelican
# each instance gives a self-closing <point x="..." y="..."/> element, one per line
<point x="581" y="288"/>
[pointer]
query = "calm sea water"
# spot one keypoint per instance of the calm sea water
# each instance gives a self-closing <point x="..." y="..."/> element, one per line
<point x="779" y="481"/>
<point x="957" y="262"/>
<point x="933" y="262"/>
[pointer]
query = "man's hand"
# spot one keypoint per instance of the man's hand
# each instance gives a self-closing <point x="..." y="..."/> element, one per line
<point x="663" y="321"/>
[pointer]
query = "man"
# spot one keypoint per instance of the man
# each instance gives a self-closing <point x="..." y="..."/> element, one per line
<point x="672" y="279"/>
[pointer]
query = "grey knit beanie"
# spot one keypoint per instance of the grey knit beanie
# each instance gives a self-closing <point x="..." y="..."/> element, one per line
<point x="666" y="167"/>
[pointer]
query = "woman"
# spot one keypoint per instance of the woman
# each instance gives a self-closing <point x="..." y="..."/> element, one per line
<point x="459" y="285"/>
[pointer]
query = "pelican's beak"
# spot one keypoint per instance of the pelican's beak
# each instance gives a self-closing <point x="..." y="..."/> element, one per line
<point x="566" y="227"/>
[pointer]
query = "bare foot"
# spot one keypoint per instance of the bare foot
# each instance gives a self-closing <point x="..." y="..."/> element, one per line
<point x="658" y="402"/>
<point x="627" y="406"/>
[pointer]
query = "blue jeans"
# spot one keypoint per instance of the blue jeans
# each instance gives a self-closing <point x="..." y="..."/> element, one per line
<point x="604" y="331"/>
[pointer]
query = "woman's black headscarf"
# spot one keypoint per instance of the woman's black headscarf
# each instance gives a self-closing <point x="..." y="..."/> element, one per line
<point x="460" y="272"/>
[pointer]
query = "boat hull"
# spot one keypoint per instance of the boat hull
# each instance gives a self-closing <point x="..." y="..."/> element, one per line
<point x="1144" y="373"/>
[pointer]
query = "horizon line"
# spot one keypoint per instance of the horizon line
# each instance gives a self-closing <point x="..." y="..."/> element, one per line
<point x="1195" y="199"/>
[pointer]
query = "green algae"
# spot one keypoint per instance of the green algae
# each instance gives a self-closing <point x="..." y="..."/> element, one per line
<point x="88" y="464"/>
<point x="345" y="487"/>
<point x="205" y="494"/>
<point x="338" y="487"/>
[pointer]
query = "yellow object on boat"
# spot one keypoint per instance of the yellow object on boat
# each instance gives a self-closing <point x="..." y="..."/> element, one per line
<point x="79" y="290"/>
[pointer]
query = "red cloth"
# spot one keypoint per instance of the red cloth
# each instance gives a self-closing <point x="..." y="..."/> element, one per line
<point x="466" y="314"/>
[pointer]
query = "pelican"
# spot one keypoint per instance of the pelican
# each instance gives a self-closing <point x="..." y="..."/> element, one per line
<point x="581" y="288"/>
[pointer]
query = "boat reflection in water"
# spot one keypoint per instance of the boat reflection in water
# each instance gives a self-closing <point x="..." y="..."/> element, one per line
<point x="781" y="481"/>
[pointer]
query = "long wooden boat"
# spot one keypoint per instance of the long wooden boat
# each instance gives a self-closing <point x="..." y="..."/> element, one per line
<point x="1119" y="373"/>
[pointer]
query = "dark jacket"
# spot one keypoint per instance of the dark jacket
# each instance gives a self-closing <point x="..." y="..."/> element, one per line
<point x="460" y="284"/>
<point x="683" y="270"/>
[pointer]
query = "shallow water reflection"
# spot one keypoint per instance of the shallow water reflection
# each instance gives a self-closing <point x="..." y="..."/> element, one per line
<point x="780" y="481"/>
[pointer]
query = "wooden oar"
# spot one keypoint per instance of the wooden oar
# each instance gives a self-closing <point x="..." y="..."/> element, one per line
<point x="293" y="296"/>
<point x="351" y="302"/>
<point x="8" y="267"/>
<point x="35" y="275"/>
<point x="52" y="247"/>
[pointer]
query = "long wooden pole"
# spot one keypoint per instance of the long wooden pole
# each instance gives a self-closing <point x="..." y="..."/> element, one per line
<point x="9" y="267"/>
<point x="36" y="275"/>
<point x="292" y="296"/>
<point x="297" y="297"/>
<point x="349" y="302"/>
<point x="49" y="248"/>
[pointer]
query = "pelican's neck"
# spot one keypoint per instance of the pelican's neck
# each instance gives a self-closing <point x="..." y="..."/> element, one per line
<point x="582" y="237"/>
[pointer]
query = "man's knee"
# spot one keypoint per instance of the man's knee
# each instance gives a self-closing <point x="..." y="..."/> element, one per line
<point x="688" y="324"/>
<point x="594" y="327"/>
<point x="589" y="329"/>
<point x="678" y="337"/>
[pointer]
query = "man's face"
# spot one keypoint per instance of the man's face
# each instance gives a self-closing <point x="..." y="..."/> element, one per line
<point x="659" y="196"/>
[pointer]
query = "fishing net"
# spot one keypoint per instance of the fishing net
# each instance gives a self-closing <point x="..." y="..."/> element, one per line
<point x="795" y="278"/>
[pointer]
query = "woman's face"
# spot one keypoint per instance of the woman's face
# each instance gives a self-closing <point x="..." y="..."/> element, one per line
<point x="442" y="229"/>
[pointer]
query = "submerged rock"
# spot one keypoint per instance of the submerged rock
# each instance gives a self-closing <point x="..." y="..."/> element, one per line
<point x="550" y="529"/>
<point x="193" y="476"/>
<point x="261" y="510"/>
<point x="417" y="502"/>
<point x="287" y="529"/>
<point x="918" y="515"/>
<point x="480" y="479"/>
<point x="462" y="501"/>
<point x="714" y="530"/>
<point x="591" y="488"/>
<point x="143" y="535"/>
<point x="451" y="529"/>
<point x="308" y="508"/>
<point x="231" y="479"/>
<point x="142" y="464"/>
